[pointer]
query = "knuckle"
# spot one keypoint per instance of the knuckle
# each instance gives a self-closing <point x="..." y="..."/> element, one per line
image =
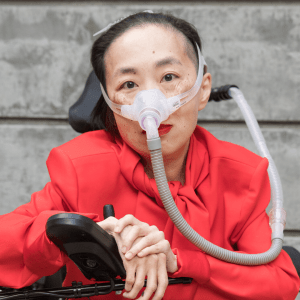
<point x="130" y="281"/>
<point x="157" y="247"/>
<point x="147" y="240"/>
<point x="130" y="278"/>
<point x="162" y="256"/>
<point x="129" y="217"/>
<point x="153" y="228"/>
<point x="161" y="235"/>
<point x="136" y="228"/>
<point x="139" y="284"/>
<point x="152" y="287"/>
<point x="144" y="225"/>
<point x="154" y="257"/>
<point x="166" y="244"/>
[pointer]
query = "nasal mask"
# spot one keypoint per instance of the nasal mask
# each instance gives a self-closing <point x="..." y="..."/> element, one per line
<point x="151" y="107"/>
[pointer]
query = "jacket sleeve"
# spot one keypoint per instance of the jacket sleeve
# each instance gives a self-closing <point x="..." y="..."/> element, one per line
<point x="275" y="280"/>
<point x="26" y="254"/>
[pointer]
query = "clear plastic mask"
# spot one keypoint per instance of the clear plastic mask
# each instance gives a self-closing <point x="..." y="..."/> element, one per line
<point x="153" y="103"/>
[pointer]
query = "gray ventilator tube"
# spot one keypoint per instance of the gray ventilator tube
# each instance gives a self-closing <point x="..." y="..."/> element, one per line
<point x="277" y="213"/>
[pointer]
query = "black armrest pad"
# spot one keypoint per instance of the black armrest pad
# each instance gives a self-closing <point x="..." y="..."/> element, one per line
<point x="294" y="255"/>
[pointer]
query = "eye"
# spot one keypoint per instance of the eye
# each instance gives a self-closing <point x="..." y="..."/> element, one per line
<point x="128" y="85"/>
<point x="169" y="77"/>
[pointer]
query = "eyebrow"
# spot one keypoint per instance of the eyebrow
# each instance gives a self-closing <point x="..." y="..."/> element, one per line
<point x="168" y="61"/>
<point x="126" y="71"/>
<point x="165" y="61"/>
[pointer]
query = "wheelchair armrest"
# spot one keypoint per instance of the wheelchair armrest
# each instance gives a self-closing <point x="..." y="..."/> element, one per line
<point x="294" y="255"/>
<point x="92" y="249"/>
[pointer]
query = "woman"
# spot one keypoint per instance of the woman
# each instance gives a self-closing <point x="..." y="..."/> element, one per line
<point x="221" y="189"/>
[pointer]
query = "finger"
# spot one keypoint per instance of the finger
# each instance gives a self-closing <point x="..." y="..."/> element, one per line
<point x="153" y="240"/>
<point x="126" y="220"/>
<point x="162" y="277"/>
<point x="108" y="224"/>
<point x="143" y="229"/>
<point x="151" y="281"/>
<point x="136" y="231"/>
<point x="140" y="275"/>
<point x="130" y="278"/>
<point x="163" y="246"/>
<point x="131" y="235"/>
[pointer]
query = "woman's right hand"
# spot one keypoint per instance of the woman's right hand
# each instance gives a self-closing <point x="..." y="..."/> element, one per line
<point x="153" y="266"/>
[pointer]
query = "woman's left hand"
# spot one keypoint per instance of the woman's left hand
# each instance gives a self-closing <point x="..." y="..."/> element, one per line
<point x="152" y="240"/>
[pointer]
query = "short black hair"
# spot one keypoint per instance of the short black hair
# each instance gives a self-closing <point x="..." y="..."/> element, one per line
<point x="102" y="114"/>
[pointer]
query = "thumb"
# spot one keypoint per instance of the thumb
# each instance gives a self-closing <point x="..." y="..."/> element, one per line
<point x="108" y="224"/>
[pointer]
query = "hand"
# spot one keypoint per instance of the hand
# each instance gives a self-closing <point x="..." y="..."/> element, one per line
<point x="152" y="242"/>
<point x="153" y="266"/>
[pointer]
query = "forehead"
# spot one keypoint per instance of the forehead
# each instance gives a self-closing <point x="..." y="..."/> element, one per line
<point x="145" y="43"/>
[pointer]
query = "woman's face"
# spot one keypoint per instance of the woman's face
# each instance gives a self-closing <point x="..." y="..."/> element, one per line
<point x="154" y="57"/>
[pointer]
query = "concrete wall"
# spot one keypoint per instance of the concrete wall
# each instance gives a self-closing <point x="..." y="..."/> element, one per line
<point x="44" y="62"/>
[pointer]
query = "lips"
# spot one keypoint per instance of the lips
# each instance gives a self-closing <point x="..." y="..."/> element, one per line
<point x="162" y="129"/>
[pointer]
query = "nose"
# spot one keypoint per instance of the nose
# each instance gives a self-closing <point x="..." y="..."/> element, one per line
<point x="151" y="85"/>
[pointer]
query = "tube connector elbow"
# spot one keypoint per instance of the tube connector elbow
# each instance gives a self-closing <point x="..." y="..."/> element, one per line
<point x="154" y="144"/>
<point x="277" y="220"/>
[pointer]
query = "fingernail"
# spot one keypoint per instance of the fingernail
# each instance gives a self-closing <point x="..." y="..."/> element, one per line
<point x="124" y="249"/>
<point x="128" y="255"/>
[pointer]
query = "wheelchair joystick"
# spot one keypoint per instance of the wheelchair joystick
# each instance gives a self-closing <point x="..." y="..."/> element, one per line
<point x="108" y="211"/>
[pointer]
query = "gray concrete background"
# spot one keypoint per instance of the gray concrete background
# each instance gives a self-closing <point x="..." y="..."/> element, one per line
<point x="44" y="63"/>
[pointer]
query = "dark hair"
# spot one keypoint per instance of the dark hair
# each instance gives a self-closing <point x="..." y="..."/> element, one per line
<point x="102" y="114"/>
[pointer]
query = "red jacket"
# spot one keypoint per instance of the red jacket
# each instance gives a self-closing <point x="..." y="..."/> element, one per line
<point x="224" y="199"/>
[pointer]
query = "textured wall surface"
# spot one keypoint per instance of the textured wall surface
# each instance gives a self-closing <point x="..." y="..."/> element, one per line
<point x="44" y="54"/>
<point x="44" y="62"/>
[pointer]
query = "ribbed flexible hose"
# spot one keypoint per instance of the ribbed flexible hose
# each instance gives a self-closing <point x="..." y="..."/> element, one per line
<point x="192" y="235"/>
<point x="277" y="214"/>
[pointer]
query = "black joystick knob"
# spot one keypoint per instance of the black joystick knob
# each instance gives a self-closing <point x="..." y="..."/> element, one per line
<point x="108" y="211"/>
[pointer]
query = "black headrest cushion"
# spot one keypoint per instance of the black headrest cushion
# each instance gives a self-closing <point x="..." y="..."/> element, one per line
<point x="80" y="112"/>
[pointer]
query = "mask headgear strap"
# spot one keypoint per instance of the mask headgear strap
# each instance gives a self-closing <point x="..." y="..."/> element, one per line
<point x="113" y="23"/>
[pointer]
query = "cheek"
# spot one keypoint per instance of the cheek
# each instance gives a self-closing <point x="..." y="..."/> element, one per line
<point x="186" y="119"/>
<point x="120" y="98"/>
<point x="181" y="86"/>
<point x="129" y="130"/>
<point x="125" y="129"/>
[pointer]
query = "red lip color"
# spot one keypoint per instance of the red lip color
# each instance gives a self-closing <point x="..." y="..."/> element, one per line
<point x="162" y="129"/>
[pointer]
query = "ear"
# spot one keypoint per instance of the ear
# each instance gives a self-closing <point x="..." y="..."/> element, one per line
<point x="205" y="90"/>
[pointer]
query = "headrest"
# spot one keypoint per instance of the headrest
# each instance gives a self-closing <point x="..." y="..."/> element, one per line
<point x="80" y="112"/>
